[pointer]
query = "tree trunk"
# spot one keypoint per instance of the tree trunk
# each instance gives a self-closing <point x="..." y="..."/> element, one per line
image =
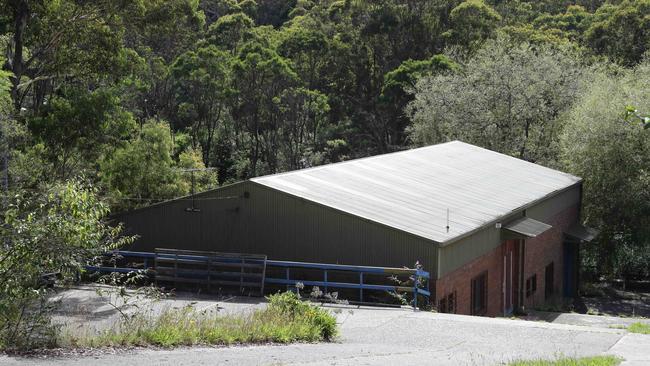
<point x="21" y="16"/>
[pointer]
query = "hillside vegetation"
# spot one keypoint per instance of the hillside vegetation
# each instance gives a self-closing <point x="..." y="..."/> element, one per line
<point x="107" y="105"/>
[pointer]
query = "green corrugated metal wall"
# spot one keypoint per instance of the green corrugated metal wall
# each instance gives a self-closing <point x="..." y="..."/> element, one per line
<point x="274" y="223"/>
<point x="285" y="227"/>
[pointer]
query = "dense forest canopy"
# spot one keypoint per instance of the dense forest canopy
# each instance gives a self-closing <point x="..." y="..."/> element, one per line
<point x="130" y="96"/>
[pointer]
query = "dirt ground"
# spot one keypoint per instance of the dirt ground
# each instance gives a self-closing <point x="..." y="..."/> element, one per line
<point x="605" y="299"/>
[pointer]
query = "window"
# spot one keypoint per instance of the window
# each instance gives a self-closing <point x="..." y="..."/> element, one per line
<point x="448" y="303"/>
<point x="531" y="285"/>
<point x="548" y="281"/>
<point x="451" y="303"/>
<point x="479" y="294"/>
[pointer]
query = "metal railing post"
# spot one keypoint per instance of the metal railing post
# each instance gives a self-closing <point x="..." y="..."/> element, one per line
<point x="287" y="278"/>
<point x="361" y="286"/>
<point x="416" y="277"/>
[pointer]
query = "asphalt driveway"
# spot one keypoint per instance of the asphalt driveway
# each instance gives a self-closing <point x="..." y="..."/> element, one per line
<point x="385" y="336"/>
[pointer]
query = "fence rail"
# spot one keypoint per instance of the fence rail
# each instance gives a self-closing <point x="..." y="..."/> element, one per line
<point x="209" y="268"/>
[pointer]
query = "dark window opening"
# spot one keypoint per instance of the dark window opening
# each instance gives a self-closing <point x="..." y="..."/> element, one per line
<point x="448" y="303"/>
<point x="548" y="280"/>
<point x="479" y="294"/>
<point x="451" y="303"/>
<point x="442" y="305"/>
<point x="531" y="285"/>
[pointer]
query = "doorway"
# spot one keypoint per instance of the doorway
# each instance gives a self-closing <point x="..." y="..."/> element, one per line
<point x="510" y="278"/>
<point x="570" y="267"/>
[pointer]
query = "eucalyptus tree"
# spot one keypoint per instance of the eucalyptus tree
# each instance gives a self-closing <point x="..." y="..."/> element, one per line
<point x="472" y="22"/>
<point x="53" y="42"/>
<point x="260" y="76"/>
<point x="202" y="87"/>
<point x="621" y="31"/>
<point x="611" y="152"/>
<point x="507" y="98"/>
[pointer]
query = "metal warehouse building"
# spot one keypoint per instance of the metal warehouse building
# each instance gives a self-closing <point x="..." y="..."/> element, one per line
<point x="495" y="232"/>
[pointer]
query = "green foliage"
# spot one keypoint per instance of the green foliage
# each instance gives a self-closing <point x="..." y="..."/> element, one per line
<point x="596" y="139"/>
<point x="621" y="31"/>
<point x="286" y="319"/>
<point x="143" y="170"/>
<point x="472" y="22"/>
<point x="192" y="160"/>
<point x="5" y="96"/>
<point x="536" y="36"/>
<point x="57" y="231"/>
<point x="403" y="78"/>
<point x="507" y="98"/>
<point x="289" y="305"/>
<point x="641" y="328"/>
<point x="230" y="30"/>
<point x="256" y="87"/>
<point x="201" y="83"/>
<point x="73" y="125"/>
<point x="167" y="27"/>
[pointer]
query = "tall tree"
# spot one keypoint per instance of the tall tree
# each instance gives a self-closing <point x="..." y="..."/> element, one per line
<point x="202" y="85"/>
<point x="621" y="31"/>
<point x="144" y="171"/>
<point x="472" y="22"/>
<point x="260" y="76"/>
<point x="507" y="98"/>
<point x="612" y="155"/>
<point x="52" y="41"/>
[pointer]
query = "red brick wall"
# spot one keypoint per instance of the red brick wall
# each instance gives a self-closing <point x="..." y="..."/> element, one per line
<point x="460" y="281"/>
<point x="544" y="249"/>
<point x="539" y="252"/>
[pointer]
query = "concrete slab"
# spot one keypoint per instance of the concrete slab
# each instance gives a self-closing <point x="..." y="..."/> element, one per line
<point x="634" y="348"/>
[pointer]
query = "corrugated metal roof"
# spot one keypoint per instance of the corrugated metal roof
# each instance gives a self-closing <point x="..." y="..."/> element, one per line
<point x="412" y="190"/>
<point x="528" y="227"/>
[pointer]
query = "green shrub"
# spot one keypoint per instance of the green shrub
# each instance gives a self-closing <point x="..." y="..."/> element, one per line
<point x="287" y="319"/>
<point x="289" y="304"/>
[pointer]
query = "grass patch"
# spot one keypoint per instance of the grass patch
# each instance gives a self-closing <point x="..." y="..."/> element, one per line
<point x="585" y="361"/>
<point x="641" y="328"/>
<point x="286" y="319"/>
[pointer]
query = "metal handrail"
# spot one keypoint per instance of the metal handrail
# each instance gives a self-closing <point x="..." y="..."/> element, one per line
<point x="417" y="274"/>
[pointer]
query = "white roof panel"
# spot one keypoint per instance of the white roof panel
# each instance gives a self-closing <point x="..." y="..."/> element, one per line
<point x="412" y="190"/>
